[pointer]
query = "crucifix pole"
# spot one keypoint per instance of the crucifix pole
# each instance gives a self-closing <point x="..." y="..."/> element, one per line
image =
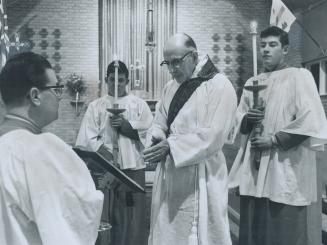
<point x="255" y="88"/>
<point x="115" y="110"/>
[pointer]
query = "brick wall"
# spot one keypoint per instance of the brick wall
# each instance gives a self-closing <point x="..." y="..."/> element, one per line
<point x="75" y="49"/>
<point x="205" y="20"/>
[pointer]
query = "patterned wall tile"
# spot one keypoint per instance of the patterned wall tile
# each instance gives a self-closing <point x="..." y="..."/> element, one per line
<point x="57" y="44"/>
<point x="43" y="33"/>
<point x="56" y="33"/>
<point x="215" y="48"/>
<point x="44" y="44"/>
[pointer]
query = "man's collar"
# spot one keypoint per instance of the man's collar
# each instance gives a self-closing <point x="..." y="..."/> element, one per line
<point x="205" y="69"/>
<point x="281" y="66"/>
<point x="18" y="122"/>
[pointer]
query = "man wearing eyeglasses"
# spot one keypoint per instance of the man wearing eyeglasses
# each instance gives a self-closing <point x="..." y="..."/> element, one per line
<point x="47" y="195"/>
<point x="192" y="122"/>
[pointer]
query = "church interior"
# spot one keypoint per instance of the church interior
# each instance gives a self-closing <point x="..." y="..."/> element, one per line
<point x="80" y="38"/>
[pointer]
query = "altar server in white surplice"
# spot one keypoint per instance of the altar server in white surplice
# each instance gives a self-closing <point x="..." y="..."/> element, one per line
<point x="191" y="125"/>
<point x="128" y="209"/>
<point x="47" y="195"/>
<point x="275" y="196"/>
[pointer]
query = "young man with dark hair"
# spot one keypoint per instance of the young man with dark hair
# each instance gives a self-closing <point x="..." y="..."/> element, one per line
<point x="275" y="195"/>
<point x="128" y="209"/>
<point x="276" y="32"/>
<point x="47" y="195"/>
<point x="191" y="125"/>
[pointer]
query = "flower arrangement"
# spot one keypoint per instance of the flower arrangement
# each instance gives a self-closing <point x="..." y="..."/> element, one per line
<point x="75" y="85"/>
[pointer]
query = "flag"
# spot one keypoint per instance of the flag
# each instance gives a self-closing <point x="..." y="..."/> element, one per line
<point x="281" y="16"/>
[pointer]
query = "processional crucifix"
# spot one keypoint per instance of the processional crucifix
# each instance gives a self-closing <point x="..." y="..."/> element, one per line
<point x="255" y="88"/>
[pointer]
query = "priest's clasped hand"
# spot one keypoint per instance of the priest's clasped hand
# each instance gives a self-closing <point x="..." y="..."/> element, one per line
<point x="157" y="152"/>
<point x="261" y="142"/>
<point x="255" y="116"/>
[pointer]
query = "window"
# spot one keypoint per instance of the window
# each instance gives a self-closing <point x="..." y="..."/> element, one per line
<point x="315" y="69"/>
<point x="318" y="69"/>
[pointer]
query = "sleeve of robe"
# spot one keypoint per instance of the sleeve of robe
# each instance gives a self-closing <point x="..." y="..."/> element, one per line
<point x="159" y="126"/>
<point x="88" y="135"/>
<point x="67" y="207"/>
<point x="207" y="140"/>
<point x="240" y="125"/>
<point x="310" y="119"/>
<point x="143" y="123"/>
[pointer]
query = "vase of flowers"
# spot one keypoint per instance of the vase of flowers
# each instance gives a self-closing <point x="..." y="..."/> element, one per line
<point x="76" y="86"/>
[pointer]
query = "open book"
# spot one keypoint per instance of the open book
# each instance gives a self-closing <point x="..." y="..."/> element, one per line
<point x="104" y="159"/>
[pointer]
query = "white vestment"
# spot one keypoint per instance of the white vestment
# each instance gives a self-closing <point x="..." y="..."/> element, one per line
<point x="192" y="182"/>
<point x="292" y="105"/>
<point x="96" y="129"/>
<point x="47" y="195"/>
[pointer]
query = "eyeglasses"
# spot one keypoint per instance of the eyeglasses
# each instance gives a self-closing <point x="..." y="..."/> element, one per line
<point x="56" y="89"/>
<point x="175" y="62"/>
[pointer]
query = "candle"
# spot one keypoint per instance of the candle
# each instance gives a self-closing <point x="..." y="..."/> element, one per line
<point x="253" y="27"/>
<point x="116" y="79"/>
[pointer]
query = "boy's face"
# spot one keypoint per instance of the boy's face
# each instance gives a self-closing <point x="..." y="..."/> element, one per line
<point x="122" y="83"/>
<point x="272" y="52"/>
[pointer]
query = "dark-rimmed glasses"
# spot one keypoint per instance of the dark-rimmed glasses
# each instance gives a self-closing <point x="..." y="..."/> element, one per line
<point x="56" y="89"/>
<point x="175" y="62"/>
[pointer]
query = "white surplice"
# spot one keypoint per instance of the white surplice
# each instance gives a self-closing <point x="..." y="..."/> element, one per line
<point x="292" y="105"/>
<point x="96" y="129"/>
<point x="47" y="195"/>
<point x="195" y="162"/>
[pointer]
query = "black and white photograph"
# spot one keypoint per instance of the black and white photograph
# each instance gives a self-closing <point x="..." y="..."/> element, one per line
<point x="163" y="122"/>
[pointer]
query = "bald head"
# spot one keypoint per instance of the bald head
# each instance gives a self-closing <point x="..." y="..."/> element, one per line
<point x="180" y="42"/>
<point x="181" y="56"/>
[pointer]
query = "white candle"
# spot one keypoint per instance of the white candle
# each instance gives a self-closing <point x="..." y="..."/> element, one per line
<point x="253" y="27"/>
<point x="116" y="79"/>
